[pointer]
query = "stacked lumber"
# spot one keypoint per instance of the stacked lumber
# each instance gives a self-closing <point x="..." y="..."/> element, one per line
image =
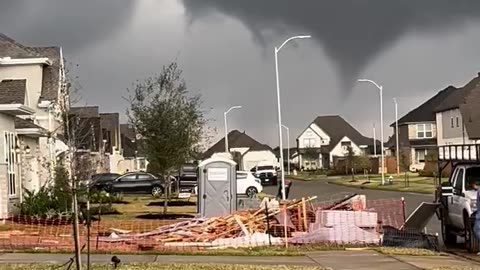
<point x="201" y="230"/>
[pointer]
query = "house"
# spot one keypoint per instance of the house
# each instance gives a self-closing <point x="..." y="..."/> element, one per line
<point x="31" y="83"/>
<point x="328" y="138"/>
<point x="458" y="116"/>
<point x="133" y="158"/>
<point x="417" y="130"/>
<point x="293" y="158"/>
<point x="250" y="152"/>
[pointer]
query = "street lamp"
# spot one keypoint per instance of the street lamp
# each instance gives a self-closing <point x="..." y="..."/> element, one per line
<point x="226" y="128"/>
<point x="380" y="88"/>
<point x="280" y="111"/>
<point x="396" y="136"/>
<point x="288" y="148"/>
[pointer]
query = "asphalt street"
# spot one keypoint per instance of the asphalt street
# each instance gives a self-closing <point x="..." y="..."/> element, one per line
<point x="327" y="192"/>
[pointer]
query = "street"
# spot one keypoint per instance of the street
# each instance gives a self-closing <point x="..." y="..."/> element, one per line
<point x="326" y="192"/>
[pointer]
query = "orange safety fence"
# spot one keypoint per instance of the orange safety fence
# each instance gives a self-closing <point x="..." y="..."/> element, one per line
<point x="307" y="222"/>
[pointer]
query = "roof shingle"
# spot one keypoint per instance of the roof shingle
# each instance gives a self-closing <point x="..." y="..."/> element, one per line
<point x="426" y="111"/>
<point x="458" y="97"/>
<point x="51" y="74"/>
<point x="237" y="139"/>
<point x="336" y="127"/>
<point x="13" y="91"/>
<point x="13" y="49"/>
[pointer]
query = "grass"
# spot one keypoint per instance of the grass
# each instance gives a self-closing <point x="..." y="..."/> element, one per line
<point x="406" y="251"/>
<point x="133" y="207"/>
<point x="416" y="183"/>
<point x="308" y="176"/>
<point x="153" y="266"/>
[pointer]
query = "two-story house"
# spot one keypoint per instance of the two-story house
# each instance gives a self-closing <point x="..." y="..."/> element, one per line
<point x="31" y="80"/>
<point x="417" y="131"/>
<point x="458" y="116"/>
<point x="329" y="137"/>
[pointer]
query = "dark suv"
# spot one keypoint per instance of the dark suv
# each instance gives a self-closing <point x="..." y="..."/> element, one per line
<point x="137" y="183"/>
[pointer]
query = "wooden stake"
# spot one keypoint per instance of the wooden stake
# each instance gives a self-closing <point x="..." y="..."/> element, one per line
<point x="299" y="217"/>
<point x="304" y="208"/>
<point x="285" y="224"/>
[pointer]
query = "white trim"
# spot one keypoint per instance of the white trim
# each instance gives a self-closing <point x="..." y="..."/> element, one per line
<point x="22" y="109"/>
<point x="27" y="61"/>
<point x="44" y="104"/>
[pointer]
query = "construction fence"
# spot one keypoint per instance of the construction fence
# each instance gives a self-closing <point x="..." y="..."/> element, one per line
<point x="349" y="220"/>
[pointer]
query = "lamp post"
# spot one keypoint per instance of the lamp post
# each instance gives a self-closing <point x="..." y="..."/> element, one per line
<point x="374" y="141"/>
<point x="288" y="148"/>
<point x="396" y="136"/>
<point x="282" y="170"/>
<point x="226" y="128"/>
<point x="380" y="88"/>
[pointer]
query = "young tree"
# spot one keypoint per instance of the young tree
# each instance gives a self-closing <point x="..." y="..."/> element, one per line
<point x="169" y="120"/>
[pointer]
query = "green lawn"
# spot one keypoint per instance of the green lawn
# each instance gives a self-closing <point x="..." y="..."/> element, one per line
<point x="161" y="267"/>
<point x="308" y="176"/>
<point x="415" y="183"/>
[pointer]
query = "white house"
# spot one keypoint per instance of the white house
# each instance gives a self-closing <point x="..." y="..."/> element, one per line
<point x="31" y="79"/>
<point x="329" y="137"/>
<point x="250" y="151"/>
<point x="458" y="116"/>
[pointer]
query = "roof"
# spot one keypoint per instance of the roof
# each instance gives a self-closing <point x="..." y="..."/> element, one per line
<point x="293" y="152"/>
<point x="86" y="111"/>
<point x="51" y="74"/>
<point x="110" y="120"/>
<point x="336" y="127"/>
<point x="471" y="113"/>
<point x="128" y="131"/>
<point x="24" y="124"/>
<point x="426" y="111"/>
<point x="458" y="97"/>
<point x="12" y="91"/>
<point x="13" y="49"/>
<point x="237" y="139"/>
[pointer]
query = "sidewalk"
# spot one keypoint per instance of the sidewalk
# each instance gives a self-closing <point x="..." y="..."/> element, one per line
<point x="359" y="260"/>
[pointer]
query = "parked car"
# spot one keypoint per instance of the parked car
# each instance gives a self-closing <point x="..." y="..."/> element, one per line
<point x="137" y="183"/>
<point x="101" y="180"/>
<point x="266" y="173"/>
<point x="187" y="175"/>
<point x="247" y="184"/>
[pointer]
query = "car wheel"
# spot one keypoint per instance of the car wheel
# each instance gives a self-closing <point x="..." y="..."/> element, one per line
<point x="157" y="192"/>
<point x="251" y="192"/>
<point x="449" y="238"/>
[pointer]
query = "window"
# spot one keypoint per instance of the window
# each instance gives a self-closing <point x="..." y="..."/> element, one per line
<point x="420" y="155"/>
<point x="309" y="142"/>
<point x="346" y="144"/>
<point x="459" y="181"/>
<point x="307" y="163"/>
<point x="313" y="164"/>
<point x="130" y="177"/>
<point x="145" y="177"/>
<point x="265" y="168"/>
<point x="458" y="122"/>
<point x="10" y="157"/>
<point x="424" y="131"/>
<point x="241" y="176"/>
<point x="451" y="123"/>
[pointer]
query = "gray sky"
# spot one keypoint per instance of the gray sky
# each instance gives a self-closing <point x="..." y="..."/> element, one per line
<point x="413" y="48"/>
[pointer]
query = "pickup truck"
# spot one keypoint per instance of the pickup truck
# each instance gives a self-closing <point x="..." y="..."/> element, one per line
<point x="457" y="198"/>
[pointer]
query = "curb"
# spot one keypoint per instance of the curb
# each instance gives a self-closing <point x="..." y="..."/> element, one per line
<point x="379" y="189"/>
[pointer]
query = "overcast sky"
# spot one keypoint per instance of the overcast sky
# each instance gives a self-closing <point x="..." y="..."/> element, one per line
<point x="225" y="47"/>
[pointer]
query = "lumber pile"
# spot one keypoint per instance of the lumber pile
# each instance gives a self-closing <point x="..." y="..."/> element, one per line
<point x="201" y="230"/>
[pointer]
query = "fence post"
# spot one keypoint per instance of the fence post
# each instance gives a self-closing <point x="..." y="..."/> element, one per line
<point x="268" y="224"/>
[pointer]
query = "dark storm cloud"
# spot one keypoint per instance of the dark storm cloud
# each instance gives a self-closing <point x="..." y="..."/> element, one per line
<point x="72" y="24"/>
<point x="352" y="32"/>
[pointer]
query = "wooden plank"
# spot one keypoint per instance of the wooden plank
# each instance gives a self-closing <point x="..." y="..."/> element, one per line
<point x="304" y="208"/>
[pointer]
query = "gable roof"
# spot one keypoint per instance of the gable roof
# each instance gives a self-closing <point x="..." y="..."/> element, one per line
<point x="236" y="139"/>
<point x="471" y="113"/>
<point x="426" y="111"/>
<point x="13" y="91"/>
<point x="13" y="49"/>
<point x="458" y="97"/>
<point x="336" y="127"/>
<point x="51" y="73"/>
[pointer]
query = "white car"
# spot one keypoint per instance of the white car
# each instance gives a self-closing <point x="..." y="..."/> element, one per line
<point x="247" y="184"/>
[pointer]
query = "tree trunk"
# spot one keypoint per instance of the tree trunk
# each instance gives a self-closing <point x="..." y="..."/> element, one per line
<point x="76" y="236"/>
